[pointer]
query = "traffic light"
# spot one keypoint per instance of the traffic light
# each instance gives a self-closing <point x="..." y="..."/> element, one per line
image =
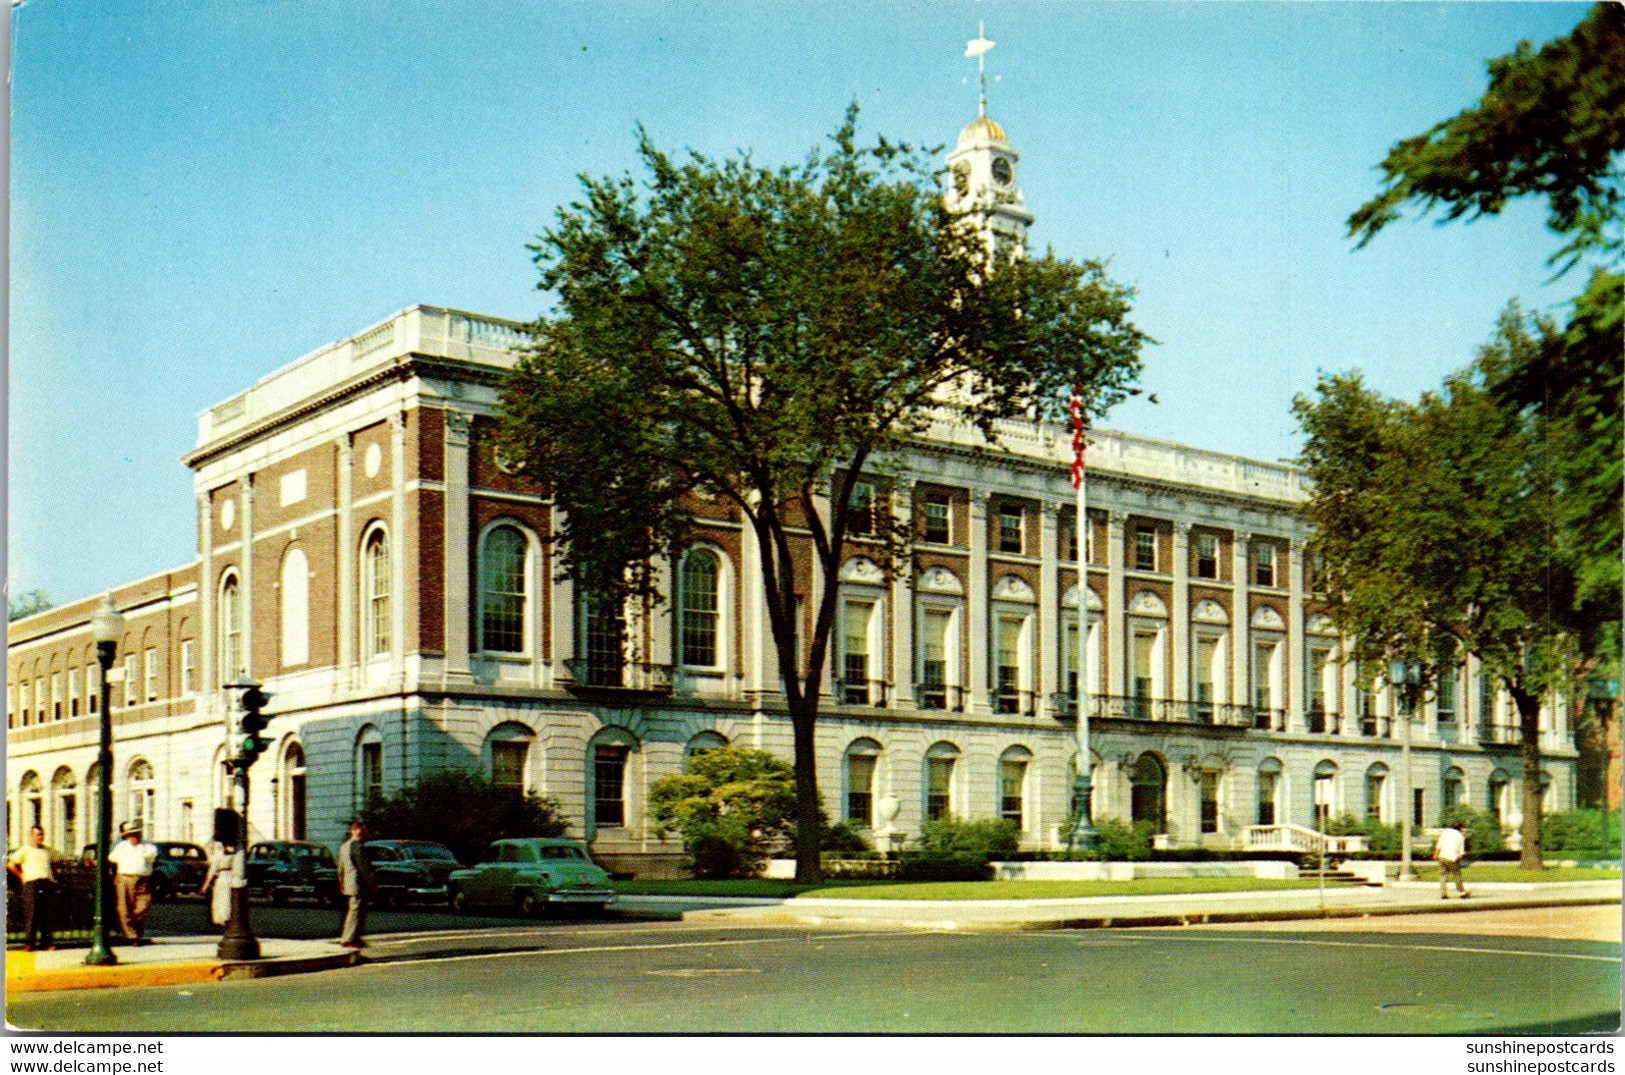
<point x="252" y="725"/>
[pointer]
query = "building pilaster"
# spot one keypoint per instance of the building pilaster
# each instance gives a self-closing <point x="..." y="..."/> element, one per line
<point x="976" y="602"/>
<point x="1049" y="607"/>
<point x="1115" y="650"/>
<point x="902" y="605"/>
<point x="1240" y="621"/>
<point x="250" y="607"/>
<point x="347" y="554"/>
<point x="397" y="526"/>
<point x="1297" y="655"/>
<point x="1181" y="624"/>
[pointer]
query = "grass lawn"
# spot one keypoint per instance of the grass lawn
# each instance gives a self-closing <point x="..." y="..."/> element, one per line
<point x="1506" y="871"/>
<point x="954" y="890"/>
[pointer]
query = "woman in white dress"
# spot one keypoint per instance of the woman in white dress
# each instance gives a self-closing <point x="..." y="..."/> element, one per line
<point x="221" y="856"/>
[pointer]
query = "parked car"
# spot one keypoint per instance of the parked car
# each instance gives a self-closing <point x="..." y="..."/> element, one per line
<point x="524" y="875"/>
<point x="178" y="871"/>
<point x="410" y="871"/>
<point x="280" y="870"/>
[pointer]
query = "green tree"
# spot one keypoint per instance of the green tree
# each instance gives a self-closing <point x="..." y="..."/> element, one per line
<point x="464" y="811"/>
<point x="765" y="336"/>
<point x="27" y="604"/>
<point x="1434" y="525"/>
<point x="733" y="806"/>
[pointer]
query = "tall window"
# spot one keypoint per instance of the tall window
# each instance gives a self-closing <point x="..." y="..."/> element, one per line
<point x="1013" y="786"/>
<point x="861" y="761"/>
<point x="1447" y="693"/>
<point x="609" y="785"/>
<point x="508" y="757"/>
<point x="189" y="666"/>
<point x="502" y="590"/>
<point x="1069" y="658"/>
<point x="1207" y="657"/>
<point x="1207" y="556"/>
<point x="1145" y="647"/>
<point x="934" y="658"/>
<point x="377" y="616"/>
<point x="698" y="617"/>
<point x="861" y="513"/>
<point x="149" y="675"/>
<point x="232" y="668"/>
<point x="1455" y="793"/>
<point x="1210" y="800"/>
<point x="1010" y="518"/>
<point x="1263" y="564"/>
<point x="65" y="832"/>
<point x="143" y="795"/>
<point x="603" y="629"/>
<point x="56" y="687"/>
<point x="1145" y="548"/>
<point x="1318" y="661"/>
<point x="1269" y="781"/>
<point x="132" y="685"/>
<point x="1007" y="685"/>
<point x="295" y="608"/>
<point x="1376" y="781"/>
<point x="1148" y="783"/>
<point x="1324" y="794"/>
<point x="856" y="619"/>
<point x="75" y="689"/>
<point x="937" y="515"/>
<point x="1263" y="678"/>
<point x="369" y="767"/>
<point x="939" y="780"/>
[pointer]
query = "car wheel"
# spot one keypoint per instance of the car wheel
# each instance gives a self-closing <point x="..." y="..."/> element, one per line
<point x="457" y="901"/>
<point x="278" y="897"/>
<point x="160" y="890"/>
<point x="526" y="903"/>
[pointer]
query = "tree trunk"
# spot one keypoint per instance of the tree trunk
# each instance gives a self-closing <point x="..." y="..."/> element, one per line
<point x="809" y="811"/>
<point x="1530" y="857"/>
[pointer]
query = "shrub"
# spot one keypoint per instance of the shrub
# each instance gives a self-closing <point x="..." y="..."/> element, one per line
<point x="986" y="838"/>
<point x="1483" y="830"/>
<point x="943" y="866"/>
<point x="1119" y="841"/>
<point x="844" y="841"/>
<point x="464" y="811"/>
<point x="1572" y="830"/>
<point x="733" y="805"/>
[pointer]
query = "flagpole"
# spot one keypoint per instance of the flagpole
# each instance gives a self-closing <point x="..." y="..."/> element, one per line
<point x="1082" y="836"/>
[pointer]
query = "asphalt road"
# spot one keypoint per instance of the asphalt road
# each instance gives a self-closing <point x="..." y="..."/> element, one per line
<point x="1466" y="976"/>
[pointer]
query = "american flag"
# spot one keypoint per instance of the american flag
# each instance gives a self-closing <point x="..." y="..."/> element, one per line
<point x="1077" y="437"/>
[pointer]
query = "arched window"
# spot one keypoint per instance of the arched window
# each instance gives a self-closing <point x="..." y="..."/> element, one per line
<point x="232" y="668"/>
<point x="292" y="804"/>
<point x="1324" y="799"/>
<point x="861" y="765"/>
<point x="295" y="608"/>
<point x="602" y="640"/>
<point x="1500" y="795"/>
<point x="1013" y="766"/>
<point x="143" y="795"/>
<point x="704" y="743"/>
<point x="507" y="756"/>
<point x="93" y="802"/>
<point x="698" y="615"/>
<point x="1148" y="791"/>
<point x="1376" y="783"/>
<point x="1269" y="791"/>
<point x="377" y="621"/>
<point x="940" y="761"/>
<point x="1455" y="792"/>
<point x="65" y="813"/>
<point x="609" y="785"/>
<point x="503" y="595"/>
<point x="369" y="767"/>
<point x="33" y="800"/>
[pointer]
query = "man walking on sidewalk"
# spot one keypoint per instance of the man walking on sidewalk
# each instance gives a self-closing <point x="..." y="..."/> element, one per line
<point x="32" y="866"/>
<point x="132" y="885"/>
<point x="356" y="883"/>
<point x="1448" y="852"/>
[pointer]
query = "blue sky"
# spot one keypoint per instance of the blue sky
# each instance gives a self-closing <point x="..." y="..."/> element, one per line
<point x="202" y="192"/>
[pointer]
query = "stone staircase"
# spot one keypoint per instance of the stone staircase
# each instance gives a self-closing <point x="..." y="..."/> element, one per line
<point x="1334" y="876"/>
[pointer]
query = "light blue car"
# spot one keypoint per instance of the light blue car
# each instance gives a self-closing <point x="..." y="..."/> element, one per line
<point x="523" y="875"/>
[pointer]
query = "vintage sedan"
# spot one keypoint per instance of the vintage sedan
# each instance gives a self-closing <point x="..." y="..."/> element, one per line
<point x="280" y="870"/>
<point x="409" y="871"/>
<point x="525" y="875"/>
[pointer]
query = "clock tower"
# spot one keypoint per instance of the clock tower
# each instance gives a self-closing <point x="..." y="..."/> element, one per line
<point x="982" y="176"/>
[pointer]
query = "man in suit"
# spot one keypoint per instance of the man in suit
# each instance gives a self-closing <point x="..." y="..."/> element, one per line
<point x="357" y="884"/>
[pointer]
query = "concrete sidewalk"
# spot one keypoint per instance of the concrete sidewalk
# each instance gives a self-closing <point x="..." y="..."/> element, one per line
<point x="166" y="961"/>
<point x="1176" y="909"/>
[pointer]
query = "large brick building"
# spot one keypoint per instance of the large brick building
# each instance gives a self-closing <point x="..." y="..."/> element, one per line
<point x="363" y="551"/>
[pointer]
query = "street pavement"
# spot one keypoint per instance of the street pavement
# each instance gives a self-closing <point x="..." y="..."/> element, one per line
<point x="193" y="959"/>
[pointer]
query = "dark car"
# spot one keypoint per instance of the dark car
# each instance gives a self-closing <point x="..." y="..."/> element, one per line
<point x="178" y="871"/>
<point x="281" y="870"/>
<point x="410" y="871"/>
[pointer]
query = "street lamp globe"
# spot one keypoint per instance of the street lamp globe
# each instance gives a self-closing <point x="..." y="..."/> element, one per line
<point x="107" y="625"/>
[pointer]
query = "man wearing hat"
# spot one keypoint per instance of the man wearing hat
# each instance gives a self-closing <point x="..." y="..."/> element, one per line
<point x="132" y="886"/>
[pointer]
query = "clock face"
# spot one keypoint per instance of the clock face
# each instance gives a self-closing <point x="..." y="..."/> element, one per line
<point x="1001" y="171"/>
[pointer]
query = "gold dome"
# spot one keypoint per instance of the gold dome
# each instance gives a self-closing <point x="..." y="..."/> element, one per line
<point x="981" y="129"/>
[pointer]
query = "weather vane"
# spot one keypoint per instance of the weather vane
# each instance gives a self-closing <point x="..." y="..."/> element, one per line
<point x="980" y="48"/>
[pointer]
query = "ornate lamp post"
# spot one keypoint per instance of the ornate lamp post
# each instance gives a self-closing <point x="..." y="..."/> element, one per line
<point x="107" y="627"/>
<point x="1082" y="837"/>
<point x="1405" y="676"/>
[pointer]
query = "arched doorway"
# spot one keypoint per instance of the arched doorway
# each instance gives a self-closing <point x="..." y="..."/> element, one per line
<point x="1148" y="791"/>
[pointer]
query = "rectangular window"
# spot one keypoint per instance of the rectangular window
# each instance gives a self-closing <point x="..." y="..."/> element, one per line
<point x="938" y="513"/>
<point x="1069" y="659"/>
<point x="42" y="701"/>
<point x="1207" y="651"/>
<point x="609" y="786"/>
<point x="1418" y="804"/>
<point x="1210" y="801"/>
<point x="934" y="660"/>
<point x="22" y="704"/>
<point x="1263" y="564"/>
<point x="132" y="685"/>
<point x="855" y="654"/>
<point x="189" y="666"/>
<point x="1070" y="539"/>
<point x="1145" y="548"/>
<point x="1447" y="694"/>
<point x="1144" y="675"/>
<point x="372" y="772"/>
<point x="151" y="675"/>
<point x="1207" y="556"/>
<point x="56" y="695"/>
<point x="939" y="787"/>
<point x="860" y="784"/>
<point x="1266" y="797"/>
<point x="1007" y="698"/>
<point x="861" y="514"/>
<point x="1373" y="796"/>
<point x="1263" y="688"/>
<point x="1012" y="791"/>
<point x="605" y="630"/>
<point x="1010" y="527"/>
<point x="1318" y="659"/>
<point x="93" y="685"/>
<point x="508" y="765"/>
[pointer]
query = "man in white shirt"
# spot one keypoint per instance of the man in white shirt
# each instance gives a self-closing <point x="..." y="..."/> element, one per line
<point x="1448" y="853"/>
<point x="31" y="864"/>
<point x="132" y="886"/>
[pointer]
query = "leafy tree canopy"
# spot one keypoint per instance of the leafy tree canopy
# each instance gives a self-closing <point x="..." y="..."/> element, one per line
<point x="464" y="811"/>
<point x="27" y="604"/>
<point x="733" y="805"/>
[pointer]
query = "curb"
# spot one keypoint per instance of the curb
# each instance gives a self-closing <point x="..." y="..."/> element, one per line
<point x="163" y="974"/>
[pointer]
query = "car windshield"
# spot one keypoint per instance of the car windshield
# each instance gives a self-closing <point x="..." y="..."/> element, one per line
<point x="562" y="853"/>
<point x="320" y="855"/>
<point x="436" y="854"/>
<point x="185" y="851"/>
